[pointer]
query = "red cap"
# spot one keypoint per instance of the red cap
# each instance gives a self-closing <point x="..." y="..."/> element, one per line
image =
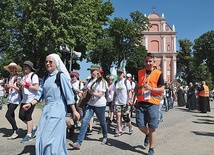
<point x="75" y="74"/>
<point x="101" y="72"/>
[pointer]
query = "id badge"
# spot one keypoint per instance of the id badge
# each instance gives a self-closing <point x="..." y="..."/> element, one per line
<point x="147" y="95"/>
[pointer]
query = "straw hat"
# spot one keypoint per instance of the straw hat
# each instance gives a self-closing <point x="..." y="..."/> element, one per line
<point x="12" y="64"/>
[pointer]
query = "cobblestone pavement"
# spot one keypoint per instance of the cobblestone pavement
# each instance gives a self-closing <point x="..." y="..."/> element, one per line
<point x="181" y="133"/>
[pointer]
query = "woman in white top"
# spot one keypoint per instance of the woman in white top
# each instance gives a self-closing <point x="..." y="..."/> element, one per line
<point x="97" y="104"/>
<point x="14" y="96"/>
<point x="30" y="85"/>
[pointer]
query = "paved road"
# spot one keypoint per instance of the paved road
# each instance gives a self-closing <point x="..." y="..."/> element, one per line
<point x="181" y="133"/>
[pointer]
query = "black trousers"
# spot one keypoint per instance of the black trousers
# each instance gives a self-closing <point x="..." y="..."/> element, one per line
<point x="10" y="115"/>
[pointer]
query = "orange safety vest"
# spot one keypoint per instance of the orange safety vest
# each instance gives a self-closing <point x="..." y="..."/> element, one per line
<point x="205" y="92"/>
<point x="152" y="81"/>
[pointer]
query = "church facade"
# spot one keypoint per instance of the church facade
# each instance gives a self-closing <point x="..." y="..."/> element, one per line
<point x="160" y="40"/>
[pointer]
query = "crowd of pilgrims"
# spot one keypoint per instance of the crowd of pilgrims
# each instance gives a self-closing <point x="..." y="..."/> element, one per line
<point x="174" y="94"/>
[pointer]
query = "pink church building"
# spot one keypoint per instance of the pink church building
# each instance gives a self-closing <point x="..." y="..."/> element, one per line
<point x="160" y="40"/>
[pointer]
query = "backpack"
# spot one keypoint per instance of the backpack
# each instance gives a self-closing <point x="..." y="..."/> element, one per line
<point x="58" y="83"/>
<point x="125" y="82"/>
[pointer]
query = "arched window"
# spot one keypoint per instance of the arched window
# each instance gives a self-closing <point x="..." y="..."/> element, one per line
<point x="168" y="48"/>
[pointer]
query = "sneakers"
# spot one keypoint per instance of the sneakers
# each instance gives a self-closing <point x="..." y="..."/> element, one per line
<point x="118" y="134"/>
<point x="116" y="129"/>
<point x="104" y="141"/>
<point x="75" y="145"/>
<point x="89" y="131"/>
<point x="14" y="135"/>
<point x="151" y="151"/>
<point x="130" y="130"/>
<point x="124" y="128"/>
<point x="26" y="139"/>
<point x="33" y="133"/>
<point x="146" y="141"/>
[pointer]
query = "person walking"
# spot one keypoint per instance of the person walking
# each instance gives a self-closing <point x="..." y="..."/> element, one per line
<point x="29" y="85"/>
<point x="204" y="103"/>
<point x="96" y="87"/>
<point x="2" y="92"/>
<point x="180" y="96"/>
<point x="149" y="89"/>
<point x="191" y="97"/>
<point x="57" y="93"/>
<point x="110" y="98"/>
<point x="122" y="102"/>
<point x="77" y="86"/>
<point x="14" y="96"/>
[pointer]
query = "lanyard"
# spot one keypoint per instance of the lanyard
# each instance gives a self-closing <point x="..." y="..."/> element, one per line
<point x="147" y="78"/>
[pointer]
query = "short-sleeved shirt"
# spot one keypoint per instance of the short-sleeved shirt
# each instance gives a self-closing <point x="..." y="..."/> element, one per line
<point x="29" y="94"/>
<point x="14" y="95"/>
<point x="77" y="85"/>
<point x="98" y="86"/>
<point x="1" y="91"/>
<point x="110" y="93"/>
<point x="121" y="89"/>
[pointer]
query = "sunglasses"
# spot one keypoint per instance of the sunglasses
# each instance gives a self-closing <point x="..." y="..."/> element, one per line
<point x="50" y="62"/>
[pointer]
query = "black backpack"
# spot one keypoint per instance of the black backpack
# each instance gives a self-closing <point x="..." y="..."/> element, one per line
<point x="58" y="83"/>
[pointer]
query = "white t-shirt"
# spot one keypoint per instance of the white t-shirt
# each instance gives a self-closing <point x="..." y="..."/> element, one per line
<point x="14" y="95"/>
<point x="98" y="86"/>
<point x="28" y="94"/>
<point x="77" y="86"/>
<point x="1" y="91"/>
<point x="121" y="91"/>
<point x="110" y="93"/>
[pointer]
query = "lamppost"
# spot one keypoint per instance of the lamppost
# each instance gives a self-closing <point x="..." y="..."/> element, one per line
<point x="73" y="54"/>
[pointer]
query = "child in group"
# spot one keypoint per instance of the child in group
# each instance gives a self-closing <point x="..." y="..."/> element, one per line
<point x="29" y="85"/>
<point x="2" y="91"/>
<point x="14" y="97"/>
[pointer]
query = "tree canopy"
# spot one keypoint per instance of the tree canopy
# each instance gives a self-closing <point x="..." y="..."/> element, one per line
<point x="122" y="40"/>
<point x="31" y="29"/>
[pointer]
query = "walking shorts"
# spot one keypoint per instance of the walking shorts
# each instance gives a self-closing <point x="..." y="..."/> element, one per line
<point x="147" y="115"/>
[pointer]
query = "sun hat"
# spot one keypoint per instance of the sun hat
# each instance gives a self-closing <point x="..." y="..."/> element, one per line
<point x="94" y="67"/>
<point x="128" y="75"/>
<point x="75" y="74"/>
<point x="13" y="64"/>
<point x="1" y="81"/>
<point x="111" y="78"/>
<point x="120" y="70"/>
<point x="30" y="64"/>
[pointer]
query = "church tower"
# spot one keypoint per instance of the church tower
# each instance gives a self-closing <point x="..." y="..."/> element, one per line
<point x="160" y="40"/>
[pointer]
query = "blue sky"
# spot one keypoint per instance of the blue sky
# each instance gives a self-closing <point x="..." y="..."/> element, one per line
<point x="191" y="18"/>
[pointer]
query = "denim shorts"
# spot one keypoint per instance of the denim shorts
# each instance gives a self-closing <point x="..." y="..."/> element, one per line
<point x="147" y="115"/>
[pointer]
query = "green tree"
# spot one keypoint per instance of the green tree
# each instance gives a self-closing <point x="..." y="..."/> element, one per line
<point x="126" y="40"/>
<point x="32" y="29"/>
<point x="204" y="51"/>
<point x="184" y="60"/>
<point x="103" y="53"/>
<point x="189" y="69"/>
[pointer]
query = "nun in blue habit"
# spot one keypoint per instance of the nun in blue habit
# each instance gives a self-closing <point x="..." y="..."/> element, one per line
<point x="51" y="132"/>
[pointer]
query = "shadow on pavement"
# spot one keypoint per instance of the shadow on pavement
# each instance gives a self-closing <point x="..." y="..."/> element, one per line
<point x="200" y="133"/>
<point x="125" y="146"/>
<point x="8" y="132"/>
<point x="28" y="149"/>
<point x="207" y="116"/>
<point x="204" y="121"/>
